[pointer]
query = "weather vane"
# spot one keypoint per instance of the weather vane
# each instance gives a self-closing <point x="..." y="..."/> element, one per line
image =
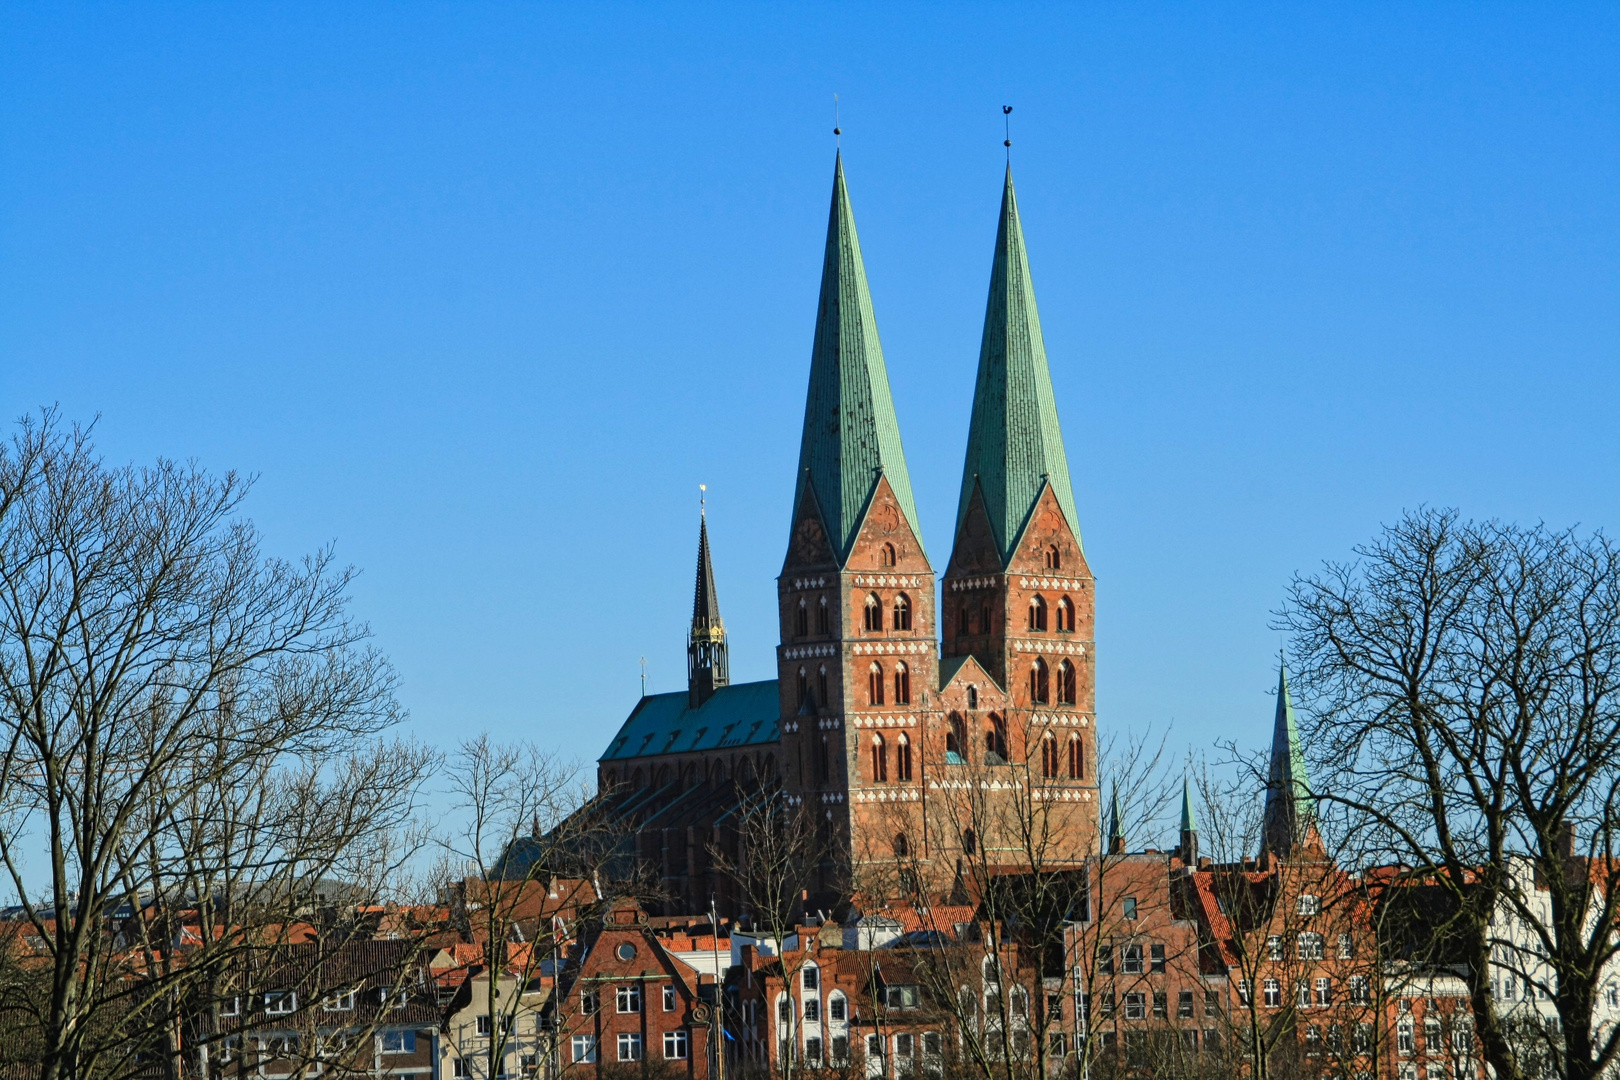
<point x="1006" y="120"/>
<point x="838" y="129"/>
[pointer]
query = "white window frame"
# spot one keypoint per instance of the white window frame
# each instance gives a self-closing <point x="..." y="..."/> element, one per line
<point x="669" y="997"/>
<point x="627" y="999"/>
<point x="280" y="1002"/>
<point x="339" y="1002"/>
<point x="630" y="1041"/>
<point x="677" y="1045"/>
<point x="583" y="1049"/>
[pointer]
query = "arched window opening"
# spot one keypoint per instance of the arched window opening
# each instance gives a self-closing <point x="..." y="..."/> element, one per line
<point x="964" y="620"/>
<point x="1049" y="758"/>
<point x="995" y="741"/>
<point x="902" y="846"/>
<point x="1037" y="613"/>
<point x="970" y="843"/>
<point x="902" y="758"/>
<point x="955" y="741"/>
<point x="1040" y="683"/>
<point x="821" y="685"/>
<point x="1077" y="760"/>
<point x="887" y="555"/>
<point x="823" y="617"/>
<point x="902" y="612"/>
<point x="973" y="697"/>
<point x="880" y="761"/>
<point x="1065" y="683"/>
<point x="902" y="684"/>
<point x="1054" y="560"/>
<point x="1065" y="615"/>
<point x="801" y="619"/>
<point x="874" y="684"/>
<point x="874" y="613"/>
<point x="984" y="619"/>
<point x="804" y="687"/>
<point x="824" y="760"/>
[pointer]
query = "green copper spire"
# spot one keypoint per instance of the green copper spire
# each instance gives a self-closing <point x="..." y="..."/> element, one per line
<point x="1116" y="826"/>
<point x="1014" y="443"/>
<point x="1189" y="823"/>
<point x="851" y="436"/>
<point x="1289" y="805"/>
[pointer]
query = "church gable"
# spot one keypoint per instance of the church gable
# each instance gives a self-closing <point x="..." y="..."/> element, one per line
<point x="1047" y="542"/>
<point x="975" y="550"/>
<point x="808" y="548"/>
<point x="886" y="540"/>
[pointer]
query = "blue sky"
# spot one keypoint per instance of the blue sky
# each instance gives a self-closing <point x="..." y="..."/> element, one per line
<point x="483" y="292"/>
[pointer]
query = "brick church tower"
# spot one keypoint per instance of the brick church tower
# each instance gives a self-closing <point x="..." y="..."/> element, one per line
<point x="1018" y="595"/>
<point x="858" y="659"/>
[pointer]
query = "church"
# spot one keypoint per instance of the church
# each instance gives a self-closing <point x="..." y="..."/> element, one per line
<point x="897" y="696"/>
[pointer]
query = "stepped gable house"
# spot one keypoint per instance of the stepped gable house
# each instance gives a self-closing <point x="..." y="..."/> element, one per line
<point x="886" y="684"/>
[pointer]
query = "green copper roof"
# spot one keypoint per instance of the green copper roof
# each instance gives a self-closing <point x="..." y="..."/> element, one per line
<point x="1288" y="791"/>
<point x="1189" y="823"/>
<point x="1014" y="442"/>
<point x="741" y="715"/>
<point x="850" y="431"/>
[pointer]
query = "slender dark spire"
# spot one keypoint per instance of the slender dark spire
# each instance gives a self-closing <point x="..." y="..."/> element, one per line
<point x="1290" y="807"/>
<point x="1015" y="446"/>
<point x="1189" y="826"/>
<point x="1116" y="827"/>
<point x="707" y="665"/>
<point x="851" y="436"/>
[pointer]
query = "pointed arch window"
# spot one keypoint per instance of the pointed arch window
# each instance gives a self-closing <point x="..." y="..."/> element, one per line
<point x="1077" y="759"/>
<point x="902" y="684"/>
<point x="1049" y="757"/>
<point x="973" y="697"/>
<point x="823" y="617"/>
<point x="874" y="684"/>
<point x="1065" y="683"/>
<point x="880" y="760"/>
<point x="887" y="556"/>
<point x="902" y="758"/>
<point x="955" y="741"/>
<point x="821" y="684"/>
<point x="902" y="846"/>
<point x="902" y="612"/>
<point x="1054" y="558"/>
<point x="995" y="741"/>
<point x="1065" y="615"/>
<point x="1040" y="683"/>
<point x="801" y="619"/>
<point x="824" y="760"/>
<point x="804" y="687"/>
<point x="964" y="621"/>
<point x="984" y="619"/>
<point x="1037" y="612"/>
<point x="970" y="843"/>
<point x="874" y="613"/>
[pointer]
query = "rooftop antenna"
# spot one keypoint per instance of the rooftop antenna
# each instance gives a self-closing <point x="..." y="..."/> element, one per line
<point x="643" y="676"/>
<point x="1006" y="121"/>
<point x="838" y="129"/>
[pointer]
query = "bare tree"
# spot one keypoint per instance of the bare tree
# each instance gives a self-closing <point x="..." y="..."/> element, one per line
<point x="1464" y="684"/>
<point x="530" y="846"/>
<point x="187" y="725"/>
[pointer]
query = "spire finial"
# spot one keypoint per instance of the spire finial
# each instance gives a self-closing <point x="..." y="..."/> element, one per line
<point x="703" y="500"/>
<point x="838" y="128"/>
<point x="643" y="676"/>
<point x="1006" y="122"/>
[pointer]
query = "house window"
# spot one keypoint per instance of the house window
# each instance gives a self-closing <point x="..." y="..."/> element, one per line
<point x="630" y="1046"/>
<point x="1432" y="1042"/>
<point x="1309" y="905"/>
<point x="1403" y="1036"/>
<point x="812" y="1011"/>
<point x="1037" y="613"/>
<point x="874" y="613"/>
<point x="1212" y="1003"/>
<point x="584" y="1049"/>
<point x="1040" y="682"/>
<point x="1184" y="1005"/>
<point x="823" y="617"/>
<point x="1077" y="761"/>
<point x="812" y="1048"/>
<point x="1054" y="561"/>
<point x="1135" y="1006"/>
<point x="1065" y="683"/>
<point x="810" y="978"/>
<point x="1131" y="959"/>
<point x="801" y="619"/>
<point x="675" y="1046"/>
<point x="880" y="761"/>
<point x="886" y="556"/>
<point x="483" y="1025"/>
<point x="840" y="1049"/>
<point x="1310" y="946"/>
<point x="835" y="1008"/>
<point x="231" y="1006"/>
<point x="279" y="1046"/>
<point x="588" y="1003"/>
<point x="1065" y="615"/>
<point x="874" y="1053"/>
<point x="1243" y="991"/>
<point x="1105" y="959"/>
<point x="399" y="1042"/>
<point x="628" y="999"/>
<point x="280" y="1002"/>
<point x="901" y="997"/>
<point x="902" y="758"/>
<point x="339" y="1003"/>
<point x="1273" y="992"/>
<point x="669" y="998"/>
<point x="1274" y="947"/>
<point x="902" y="684"/>
<point x="1049" y="754"/>
<point x="458" y="1068"/>
<point x="1359" y="994"/>
<point x="902" y="612"/>
<point x="1128" y="905"/>
<point x="1303" y="996"/>
<point x="784" y="1010"/>
<point x="1156" y="958"/>
<point x="1324" y="992"/>
<point x="874" y="684"/>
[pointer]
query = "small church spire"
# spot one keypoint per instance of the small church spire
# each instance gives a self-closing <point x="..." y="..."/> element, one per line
<point x="1189" y="826"/>
<point x="1116" y="827"/>
<point x="1015" y="445"/>
<point x="707" y="666"/>
<point x="1290" y="808"/>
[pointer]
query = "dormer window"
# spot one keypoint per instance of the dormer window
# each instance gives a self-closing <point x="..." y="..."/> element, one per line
<point x="874" y="613"/>
<point x="886" y="555"/>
